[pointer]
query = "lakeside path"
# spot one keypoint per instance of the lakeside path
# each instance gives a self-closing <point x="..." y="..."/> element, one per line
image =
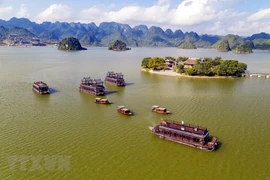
<point x="172" y="73"/>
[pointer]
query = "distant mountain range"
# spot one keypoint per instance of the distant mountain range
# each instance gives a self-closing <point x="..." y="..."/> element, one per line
<point x="108" y="32"/>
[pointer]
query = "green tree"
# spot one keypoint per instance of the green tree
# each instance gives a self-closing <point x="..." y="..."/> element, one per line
<point x="198" y="68"/>
<point x="207" y="68"/>
<point x="180" y="68"/>
<point x="241" y="67"/>
<point x="169" y="57"/>
<point x="145" y="62"/>
<point x="207" y="59"/>
<point x="216" y="61"/>
<point x="220" y="70"/>
<point x="182" y="59"/>
<point x="191" y="71"/>
<point x="156" y="62"/>
<point x="231" y="67"/>
<point x="227" y="68"/>
<point x="218" y="58"/>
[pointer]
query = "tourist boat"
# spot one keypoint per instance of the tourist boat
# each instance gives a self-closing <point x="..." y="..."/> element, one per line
<point x="92" y="86"/>
<point x="102" y="101"/>
<point x="189" y="135"/>
<point x="160" y="110"/>
<point x="124" y="110"/>
<point x="41" y="87"/>
<point x="115" y="79"/>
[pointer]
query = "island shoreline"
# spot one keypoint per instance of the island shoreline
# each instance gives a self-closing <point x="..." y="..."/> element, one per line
<point x="175" y="74"/>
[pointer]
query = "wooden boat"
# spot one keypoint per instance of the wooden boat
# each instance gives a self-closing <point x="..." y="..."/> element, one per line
<point x="124" y="110"/>
<point x="189" y="135"/>
<point x="92" y="86"/>
<point x="116" y="79"/>
<point x="102" y="101"/>
<point x="41" y="87"/>
<point x="160" y="110"/>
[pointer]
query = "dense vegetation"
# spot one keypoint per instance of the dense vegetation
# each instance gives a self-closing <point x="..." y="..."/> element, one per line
<point x="223" y="46"/>
<point x="118" y="46"/>
<point x="155" y="63"/>
<point x="70" y="44"/>
<point x="235" y="44"/>
<point x="263" y="44"/>
<point x="217" y="66"/>
<point x="202" y="67"/>
<point x="243" y="48"/>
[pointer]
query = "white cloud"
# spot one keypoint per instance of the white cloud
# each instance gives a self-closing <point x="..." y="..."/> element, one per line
<point x="128" y="14"/>
<point x="191" y="12"/>
<point x="23" y="12"/>
<point x="56" y="12"/>
<point x="263" y="14"/>
<point x="5" y="10"/>
<point x="202" y="16"/>
<point x="188" y="12"/>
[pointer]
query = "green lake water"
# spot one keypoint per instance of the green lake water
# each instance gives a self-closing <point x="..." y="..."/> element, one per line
<point x="99" y="143"/>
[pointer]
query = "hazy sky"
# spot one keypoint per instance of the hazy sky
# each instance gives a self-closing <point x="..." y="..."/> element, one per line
<point x="222" y="17"/>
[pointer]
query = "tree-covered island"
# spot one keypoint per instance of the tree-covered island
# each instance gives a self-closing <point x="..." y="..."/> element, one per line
<point x="118" y="46"/>
<point x="70" y="44"/>
<point x="195" y="67"/>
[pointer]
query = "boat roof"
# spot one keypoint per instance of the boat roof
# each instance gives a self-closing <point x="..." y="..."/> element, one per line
<point x="185" y="132"/>
<point x="104" y="99"/>
<point x="87" y="79"/>
<point x="98" y="98"/>
<point x="41" y="84"/>
<point x="120" y="107"/>
<point x="98" y="81"/>
<point x="162" y="108"/>
<point x="155" y="106"/>
<point x="125" y="109"/>
<point x="184" y="127"/>
<point x="110" y="72"/>
<point x="118" y="74"/>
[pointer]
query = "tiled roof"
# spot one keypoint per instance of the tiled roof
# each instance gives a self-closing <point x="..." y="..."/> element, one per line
<point x="190" y="62"/>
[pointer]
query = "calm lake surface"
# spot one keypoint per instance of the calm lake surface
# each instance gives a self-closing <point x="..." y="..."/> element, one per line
<point x="96" y="142"/>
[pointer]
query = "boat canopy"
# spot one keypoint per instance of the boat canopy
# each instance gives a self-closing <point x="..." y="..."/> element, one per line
<point x="119" y="75"/>
<point x="182" y="131"/>
<point x="86" y="80"/>
<point x="41" y="84"/>
<point x="97" y="81"/>
<point x="162" y="109"/>
<point x="155" y="106"/>
<point x="110" y="73"/>
<point x="120" y="107"/>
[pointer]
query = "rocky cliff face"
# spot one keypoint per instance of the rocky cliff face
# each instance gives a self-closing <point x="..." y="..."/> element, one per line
<point x="70" y="44"/>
